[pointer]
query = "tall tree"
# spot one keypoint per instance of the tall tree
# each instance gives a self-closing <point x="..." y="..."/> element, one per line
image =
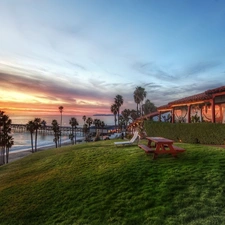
<point x="84" y="118"/>
<point x="148" y="107"/>
<point x="6" y="140"/>
<point x="114" y="110"/>
<point x="119" y="102"/>
<point x="9" y="144"/>
<point x="37" y="125"/>
<point x="31" y="129"/>
<point x="139" y="95"/>
<point x="126" y="116"/>
<point x="43" y="124"/>
<point x="61" y="111"/>
<point x="89" y="121"/>
<point x="133" y="114"/>
<point x="96" y="122"/>
<point x="102" y="124"/>
<point x="85" y="130"/>
<point x="121" y="122"/>
<point x="56" y="129"/>
<point x="74" y="124"/>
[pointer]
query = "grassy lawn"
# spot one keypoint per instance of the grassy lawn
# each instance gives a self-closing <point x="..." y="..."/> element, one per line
<point x="99" y="184"/>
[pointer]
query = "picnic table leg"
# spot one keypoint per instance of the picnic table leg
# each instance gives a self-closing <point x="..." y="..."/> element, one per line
<point x="150" y="145"/>
<point x="172" y="151"/>
<point x="155" y="155"/>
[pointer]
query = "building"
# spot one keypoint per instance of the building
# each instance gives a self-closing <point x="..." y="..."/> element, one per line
<point x="208" y="106"/>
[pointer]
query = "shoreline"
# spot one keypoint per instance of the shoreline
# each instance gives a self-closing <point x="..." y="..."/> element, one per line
<point x="13" y="156"/>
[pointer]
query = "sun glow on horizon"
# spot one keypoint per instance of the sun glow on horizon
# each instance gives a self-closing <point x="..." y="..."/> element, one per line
<point x="15" y="96"/>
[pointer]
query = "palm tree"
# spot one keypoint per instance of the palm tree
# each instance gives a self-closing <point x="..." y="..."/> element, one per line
<point x="121" y="122"/>
<point x="55" y="127"/>
<point x="114" y="110"/>
<point x="139" y="95"/>
<point x="119" y="102"/>
<point x="84" y="118"/>
<point x="96" y="122"/>
<point x="126" y="116"/>
<point x="61" y="111"/>
<point x="73" y="123"/>
<point x="84" y="127"/>
<point x="133" y="114"/>
<point x="30" y="127"/>
<point x="43" y="124"/>
<point x="37" y="125"/>
<point x="9" y="144"/>
<point x="89" y="121"/>
<point x="85" y="130"/>
<point x="6" y="140"/>
<point x="102" y="124"/>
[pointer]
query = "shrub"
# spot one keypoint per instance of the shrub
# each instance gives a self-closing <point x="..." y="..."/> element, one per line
<point x="204" y="133"/>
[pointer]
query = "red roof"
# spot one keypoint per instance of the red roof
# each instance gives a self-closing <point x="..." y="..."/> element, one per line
<point x="194" y="98"/>
<point x="216" y="90"/>
<point x="164" y="107"/>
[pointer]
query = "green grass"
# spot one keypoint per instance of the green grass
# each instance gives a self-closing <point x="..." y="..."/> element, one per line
<point x="99" y="184"/>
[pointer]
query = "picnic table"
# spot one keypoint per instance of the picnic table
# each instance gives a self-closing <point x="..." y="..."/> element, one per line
<point x="160" y="145"/>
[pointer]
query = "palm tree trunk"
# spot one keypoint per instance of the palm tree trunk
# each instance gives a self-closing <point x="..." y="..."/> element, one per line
<point x="4" y="155"/>
<point x="1" y="156"/>
<point x="137" y="109"/>
<point x="7" y="155"/>
<point x="36" y="141"/>
<point x="72" y="135"/>
<point x="75" y="136"/>
<point x="118" y="119"/>
<point x="60" y="132"/>
<point x="56" y="140"/>
<point x="31" y="140"/>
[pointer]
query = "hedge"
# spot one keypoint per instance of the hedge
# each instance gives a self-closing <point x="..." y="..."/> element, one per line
<point x="203" y="133"/>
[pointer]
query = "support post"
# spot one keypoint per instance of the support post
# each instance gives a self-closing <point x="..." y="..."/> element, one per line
<point x="189" y="114"/>
<point x="213" y="110"/>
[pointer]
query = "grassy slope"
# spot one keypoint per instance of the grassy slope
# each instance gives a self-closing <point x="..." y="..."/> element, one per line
<point x="97" y="183"/>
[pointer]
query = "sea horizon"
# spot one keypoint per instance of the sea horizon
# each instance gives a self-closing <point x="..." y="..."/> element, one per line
<point x="108" y="119"/>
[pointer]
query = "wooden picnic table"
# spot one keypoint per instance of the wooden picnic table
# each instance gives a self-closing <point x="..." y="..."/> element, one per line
<point x="160" y="145"/>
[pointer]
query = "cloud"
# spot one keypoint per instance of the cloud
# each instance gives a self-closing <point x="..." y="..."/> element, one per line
<point x="76" y="65"/>
<point x="59" y="89"/>
<point x="152" y="70"/>
<point x="200" y="67"/>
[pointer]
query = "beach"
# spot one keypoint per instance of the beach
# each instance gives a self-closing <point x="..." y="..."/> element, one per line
<point x="13" y="156"/>
<point x="22" y="142"/>
<point x="18" y="155"/>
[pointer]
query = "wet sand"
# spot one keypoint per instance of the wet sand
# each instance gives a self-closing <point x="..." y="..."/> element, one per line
<point x="19" y="155"/>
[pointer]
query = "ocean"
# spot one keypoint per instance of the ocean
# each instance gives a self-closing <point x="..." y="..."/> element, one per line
<point x="108" y="120"/>
<point x="22" y="140"/>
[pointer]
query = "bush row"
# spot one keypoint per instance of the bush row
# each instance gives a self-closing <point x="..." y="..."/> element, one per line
<point x="203" y="133"/>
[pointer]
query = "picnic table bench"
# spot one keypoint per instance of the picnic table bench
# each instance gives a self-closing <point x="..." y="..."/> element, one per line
<point x="160" y="145"/>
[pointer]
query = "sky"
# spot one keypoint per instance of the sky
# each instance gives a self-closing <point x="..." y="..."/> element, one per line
<point x="82" y="53"/>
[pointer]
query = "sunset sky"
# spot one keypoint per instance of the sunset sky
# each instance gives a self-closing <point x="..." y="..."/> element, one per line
<point x="81" y="53"/>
